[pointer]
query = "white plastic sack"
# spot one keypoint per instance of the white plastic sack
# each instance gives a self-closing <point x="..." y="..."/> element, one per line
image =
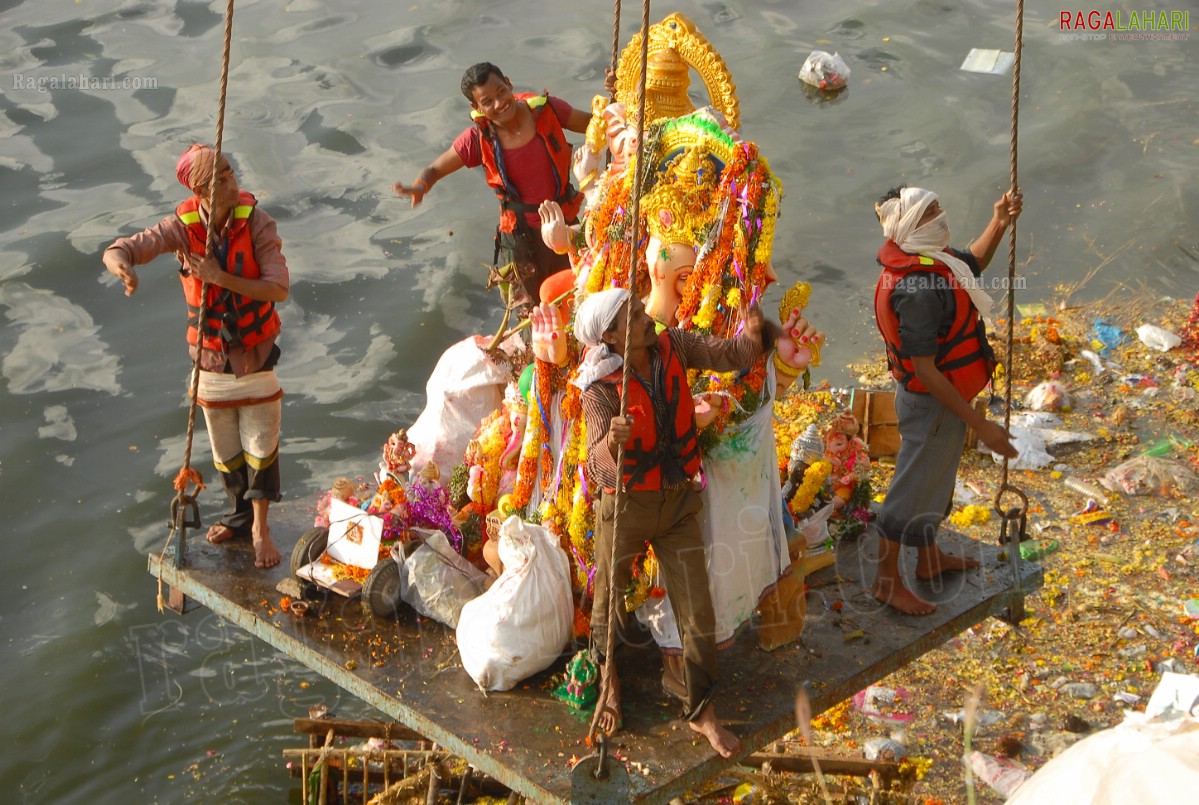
<point x="465" y="386"/>
<point x="1149" y="757"/>
<point x="521" y="624"/>
<point x="435" y="580"/>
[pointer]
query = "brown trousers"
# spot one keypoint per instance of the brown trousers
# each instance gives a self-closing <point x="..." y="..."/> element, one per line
<point x="535" y="262"/>
<point x="669" y="521"/>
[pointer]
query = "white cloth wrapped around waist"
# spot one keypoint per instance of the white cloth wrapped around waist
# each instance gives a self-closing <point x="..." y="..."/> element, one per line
<point x="219" y="390"/>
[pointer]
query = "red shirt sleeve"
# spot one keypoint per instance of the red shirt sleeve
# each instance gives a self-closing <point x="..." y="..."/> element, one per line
<point x="562" y="110"/>
<point x="467" y="147"/>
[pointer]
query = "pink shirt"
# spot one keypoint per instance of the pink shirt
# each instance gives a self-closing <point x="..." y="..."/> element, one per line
<point x="170" y="236"/>
<point x="529" y="167"/>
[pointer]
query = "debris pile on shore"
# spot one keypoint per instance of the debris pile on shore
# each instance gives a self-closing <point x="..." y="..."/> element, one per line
<point x="1118" y="605"/>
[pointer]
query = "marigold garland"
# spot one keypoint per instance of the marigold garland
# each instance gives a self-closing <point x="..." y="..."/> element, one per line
<point x="536" y="463"/>
<point x="813" y="481"/>
<point x="493" y="436"/>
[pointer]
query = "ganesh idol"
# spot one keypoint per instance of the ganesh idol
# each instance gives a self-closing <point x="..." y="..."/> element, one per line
<point x="708" y="208"/>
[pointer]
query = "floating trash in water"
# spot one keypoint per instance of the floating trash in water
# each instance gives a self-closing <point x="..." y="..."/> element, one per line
<point x="992" y="62"/>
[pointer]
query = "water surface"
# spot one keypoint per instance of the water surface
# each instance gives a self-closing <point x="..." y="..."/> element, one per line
<point x="108" y="701"/>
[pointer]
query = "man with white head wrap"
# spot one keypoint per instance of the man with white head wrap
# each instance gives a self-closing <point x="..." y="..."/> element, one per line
<point x="929" y="306"/>
<point x="658" y="501"/>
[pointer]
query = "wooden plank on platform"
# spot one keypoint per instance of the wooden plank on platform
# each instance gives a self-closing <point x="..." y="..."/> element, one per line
<point x="356" y="729"/>
<point x="804" y="760"/>
<point x="409" y="668"/>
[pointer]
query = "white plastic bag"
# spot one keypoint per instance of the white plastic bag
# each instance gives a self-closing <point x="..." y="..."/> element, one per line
<point x="1030" y="446"/>
<point x="1049" y="396"/>
<point x="825" y="71"/>
<point x="1149" y="475"/>
<point x="435" y="580"/>
<point x="1157" y="338"/>
<point x="815" y="529"/>
<point x="522" y="623"/>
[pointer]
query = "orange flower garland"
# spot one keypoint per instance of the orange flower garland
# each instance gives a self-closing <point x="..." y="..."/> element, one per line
<point x="536" y="456"/>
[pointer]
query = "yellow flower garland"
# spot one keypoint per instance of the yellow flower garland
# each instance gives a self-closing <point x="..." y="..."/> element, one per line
<point x="813" y="481"/>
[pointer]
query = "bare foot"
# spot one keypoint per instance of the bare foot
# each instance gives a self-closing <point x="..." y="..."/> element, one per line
<point x="892" y="593"/>
<point x="610" y="717"/>
<point x="265" y="552"/>
<point x="933" y="562"/>
<point x="724" y="742"/>
<point x="219" y="533"/>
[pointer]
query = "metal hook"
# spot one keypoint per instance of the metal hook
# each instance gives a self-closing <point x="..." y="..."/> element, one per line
<point x="192" y="509"/>
<point x="1017" y="515"/>
<point x="601" y="767"/>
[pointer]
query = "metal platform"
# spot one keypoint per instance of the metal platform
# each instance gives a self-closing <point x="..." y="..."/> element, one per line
<point x="409" y="668"/>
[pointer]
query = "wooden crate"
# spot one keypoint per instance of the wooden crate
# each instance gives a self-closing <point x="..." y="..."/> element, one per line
<point x="880" y="427"/>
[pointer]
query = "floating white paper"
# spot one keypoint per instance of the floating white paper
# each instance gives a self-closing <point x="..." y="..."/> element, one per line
<point x="995" y="62"/>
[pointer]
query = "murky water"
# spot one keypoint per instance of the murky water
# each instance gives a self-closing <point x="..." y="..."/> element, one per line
<point x="107" y="701"/>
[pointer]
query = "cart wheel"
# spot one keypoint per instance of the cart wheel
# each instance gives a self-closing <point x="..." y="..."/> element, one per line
<point x="381" y="590"/>
<point x="309" y="548"/>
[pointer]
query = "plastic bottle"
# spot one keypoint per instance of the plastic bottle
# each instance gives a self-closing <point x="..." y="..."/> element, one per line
<point x="1165" y="447"/>
<point x="1087" y="488"/>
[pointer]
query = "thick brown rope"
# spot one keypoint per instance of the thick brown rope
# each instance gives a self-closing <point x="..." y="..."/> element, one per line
<point x="615" y="43"/>
<point x="186" y="472"/>
<point x="634" y="234"/>
<point x="1011" y="257"/>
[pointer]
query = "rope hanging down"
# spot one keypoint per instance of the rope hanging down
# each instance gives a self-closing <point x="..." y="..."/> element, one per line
<point x="183" y="502"/>
<point x="1011" y="256"/>
<point x="1014" y="519"/>
<point x="615" y="42"/>
<point x="635" y="235"/>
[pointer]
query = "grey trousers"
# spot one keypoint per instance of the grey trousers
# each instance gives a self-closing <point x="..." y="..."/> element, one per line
<point x="925" y="470"/>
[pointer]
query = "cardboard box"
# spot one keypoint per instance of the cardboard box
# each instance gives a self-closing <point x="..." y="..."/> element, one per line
<point x="875" y="410"/>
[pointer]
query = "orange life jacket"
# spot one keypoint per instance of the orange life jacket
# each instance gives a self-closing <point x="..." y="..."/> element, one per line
<point x="643" y="461"/>
<point x="549" y="131"/>
<point x="963" y="354"/>
<point x="233" y="320"/>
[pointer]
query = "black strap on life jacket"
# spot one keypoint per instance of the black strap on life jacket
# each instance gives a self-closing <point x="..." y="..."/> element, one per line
<point x="668" y="452"/>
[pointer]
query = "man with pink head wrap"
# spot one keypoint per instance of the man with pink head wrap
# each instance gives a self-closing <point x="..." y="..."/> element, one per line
<point x="245" y="276"/>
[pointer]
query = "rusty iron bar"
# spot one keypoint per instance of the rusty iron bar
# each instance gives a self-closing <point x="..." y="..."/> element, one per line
<point x="1012" y="532"/>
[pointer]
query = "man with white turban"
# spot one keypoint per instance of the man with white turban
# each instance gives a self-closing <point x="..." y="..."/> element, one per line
<point x="246" y="277"/>
<point x="658" y="499"/>
<point x="929" y="306"/>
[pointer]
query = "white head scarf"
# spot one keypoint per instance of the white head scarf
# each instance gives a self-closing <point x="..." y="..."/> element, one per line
<point x="593" y="318"/>
<point x="900" y="216"/>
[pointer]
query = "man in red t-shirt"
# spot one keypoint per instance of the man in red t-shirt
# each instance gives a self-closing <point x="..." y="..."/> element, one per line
<point x="520" y="142"/>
